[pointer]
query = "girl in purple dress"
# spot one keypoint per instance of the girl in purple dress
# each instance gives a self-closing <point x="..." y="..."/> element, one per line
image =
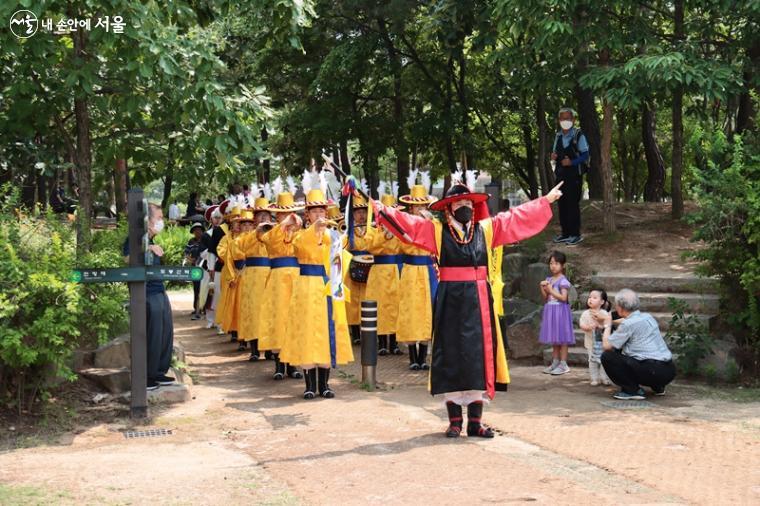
<point x="557" y="319"/>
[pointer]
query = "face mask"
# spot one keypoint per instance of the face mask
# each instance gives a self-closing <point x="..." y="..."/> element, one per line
<point x="158" y="226"/>
<point x="566" y="125"/>
<point x="463" y="215"/>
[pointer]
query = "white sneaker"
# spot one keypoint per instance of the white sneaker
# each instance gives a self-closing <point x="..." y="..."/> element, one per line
<point x="560" y="369"/>
<point x="594" y="383"/>
<point x="550" y="368"/>
<point x="606" y="383"/>
<point x="210" y="325"/>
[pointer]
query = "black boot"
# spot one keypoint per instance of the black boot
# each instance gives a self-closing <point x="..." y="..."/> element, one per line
<point x="422" y="357"/>
<point x="455" y="419"/>
<point x="413" y="365"/>
<point x="324" y="388"/>
<point x="310" y="376"/>
<point x="233" y="336"/>
<point x="279" y="368"/>
<point x="393" y="345"/>
<point x="382" y="345"/>
<point x="356" y="334"/>
<point x="293" y="372"/>
<point x="242" y="345"/>
<point x="268" y="355"/>
<point x="254" y="351"/>
<point x="474" y="427"/>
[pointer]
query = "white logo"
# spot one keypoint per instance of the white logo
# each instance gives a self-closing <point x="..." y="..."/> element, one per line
<point x="24" y="24"/>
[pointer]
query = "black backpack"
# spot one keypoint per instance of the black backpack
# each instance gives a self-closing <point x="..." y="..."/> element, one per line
<point x="585" y="167"/>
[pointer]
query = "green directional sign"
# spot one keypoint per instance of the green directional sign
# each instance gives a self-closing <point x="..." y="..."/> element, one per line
<point x="152" y="273"/>
<point x="107" y="275"/>
<point x="173" y="273"/>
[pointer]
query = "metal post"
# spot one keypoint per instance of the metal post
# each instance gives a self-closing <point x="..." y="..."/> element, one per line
<point x="369" y="343"/>
<point x="136" y="214"/>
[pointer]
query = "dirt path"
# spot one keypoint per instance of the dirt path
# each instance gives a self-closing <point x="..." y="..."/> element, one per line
<point x="245" y="439"/>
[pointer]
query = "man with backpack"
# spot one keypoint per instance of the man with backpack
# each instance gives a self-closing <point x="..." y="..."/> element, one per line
<point x="570" y="152"/>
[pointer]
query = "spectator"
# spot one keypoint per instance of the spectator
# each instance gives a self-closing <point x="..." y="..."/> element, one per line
<point x="59" y="203"/>
<point x="193" y="251"/>
<point x="571" y="154"/>
<point x="635" y="354"/>
<point x="174" y="213"/>
<point x="194" y="210"/>
<point x="160" y="328"/>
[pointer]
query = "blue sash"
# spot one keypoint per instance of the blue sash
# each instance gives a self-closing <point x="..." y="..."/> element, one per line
<point x="257" y="262"/>
<point x="278" y="262"/>
<point x="239" y="264"/>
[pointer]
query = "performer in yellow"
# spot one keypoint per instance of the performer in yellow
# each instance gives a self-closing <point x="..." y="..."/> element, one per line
<point x="319" y="336"/>
<point x="283" y="275"/>
<point x="383" y="279"/>
<point x="356" y="289"/>
<point x="254" y="298"/>
<point x="228" y="311"/>
<point x="417" y="284"/>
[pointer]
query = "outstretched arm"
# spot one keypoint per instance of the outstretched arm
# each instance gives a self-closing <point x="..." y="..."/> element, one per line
<point x="419" y="231"/>
<point x="525" y="220"/>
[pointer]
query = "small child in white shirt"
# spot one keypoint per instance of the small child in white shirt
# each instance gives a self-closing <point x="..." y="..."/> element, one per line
<point x="592" y="325"/>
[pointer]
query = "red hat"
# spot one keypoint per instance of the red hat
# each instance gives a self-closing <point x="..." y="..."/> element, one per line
<point x="209" y="211"/>
<point x="458" y="191"/>
<point x="223" y="206"/>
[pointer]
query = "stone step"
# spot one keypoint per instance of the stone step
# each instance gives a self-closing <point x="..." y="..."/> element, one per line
<point x="115" y="380"/>
<point x="675" y="283"/>
<point x="576" y="356"/>
<point x="663" y="319"/>
<point x="708" y="303"/>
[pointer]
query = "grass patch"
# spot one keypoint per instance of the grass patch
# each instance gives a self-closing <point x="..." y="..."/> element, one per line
<point x="12" y="495"/>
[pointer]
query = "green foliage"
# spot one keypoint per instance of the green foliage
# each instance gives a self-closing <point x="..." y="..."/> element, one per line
<point x="728" y="223"/>
<point x="687" y="337"/>
<point x="44" y="316"/>
<point x="731" y="372"/>
<point x="173" y="241"/>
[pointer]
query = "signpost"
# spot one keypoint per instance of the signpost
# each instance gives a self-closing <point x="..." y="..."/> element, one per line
<point x="135" y="276"/>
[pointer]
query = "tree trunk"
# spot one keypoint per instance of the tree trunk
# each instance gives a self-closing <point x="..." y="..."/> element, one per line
<point x="530" y="158"/>
<point x="655" y="185"/>
<point x="42" y="184"/>
<point x="120" y="186"/>
<point x="345" y="163"/>
<point x="745" y="119"/>
<point x="84" y="156"/>
<point x="266" y="165"/>
<point x="676" y="193"/>
<point x="608" y="193"/>
<point x="169" y="177"/>
<point x="544" y="167"/>
<point x="626" y="163"/>
<point x="677" y="109"/>
<point x="400" y="144"/>
<point x="589" y="121"/>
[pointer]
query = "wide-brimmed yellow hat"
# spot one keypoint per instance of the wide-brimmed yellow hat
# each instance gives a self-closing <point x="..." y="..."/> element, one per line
<point x="285" y="204"/>
<point x="233" y="214"/>
<point x="333" y="213"/>
<point x="260" y="204"/>
<point x="244" y="215"/>
<point x="359" y="202"/>
<point x="390" y="201"/>
<point x="315" y="198"/>
<point x="418" y="195"/>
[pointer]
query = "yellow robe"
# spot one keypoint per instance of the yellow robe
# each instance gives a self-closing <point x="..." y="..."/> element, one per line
<point x="383" y="280"/>
<point x="309" y="339"/>
<point x="280" y="287"/>
<point x="415" y="316"/>
<point x="228" y="310"/>
<point x="356" y="290"/>
<point x="254" y="298"/>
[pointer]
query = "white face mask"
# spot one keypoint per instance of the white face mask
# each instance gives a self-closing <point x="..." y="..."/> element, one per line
<point x="158" y="226"/>
<point x="566" y="124"/>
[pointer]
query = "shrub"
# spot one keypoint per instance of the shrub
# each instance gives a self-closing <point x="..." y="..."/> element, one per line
<point x="44" y="316"/>
<point x="173" y="240"/>
<point x="728" y="222"/>
<point x="687" y="337"/>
